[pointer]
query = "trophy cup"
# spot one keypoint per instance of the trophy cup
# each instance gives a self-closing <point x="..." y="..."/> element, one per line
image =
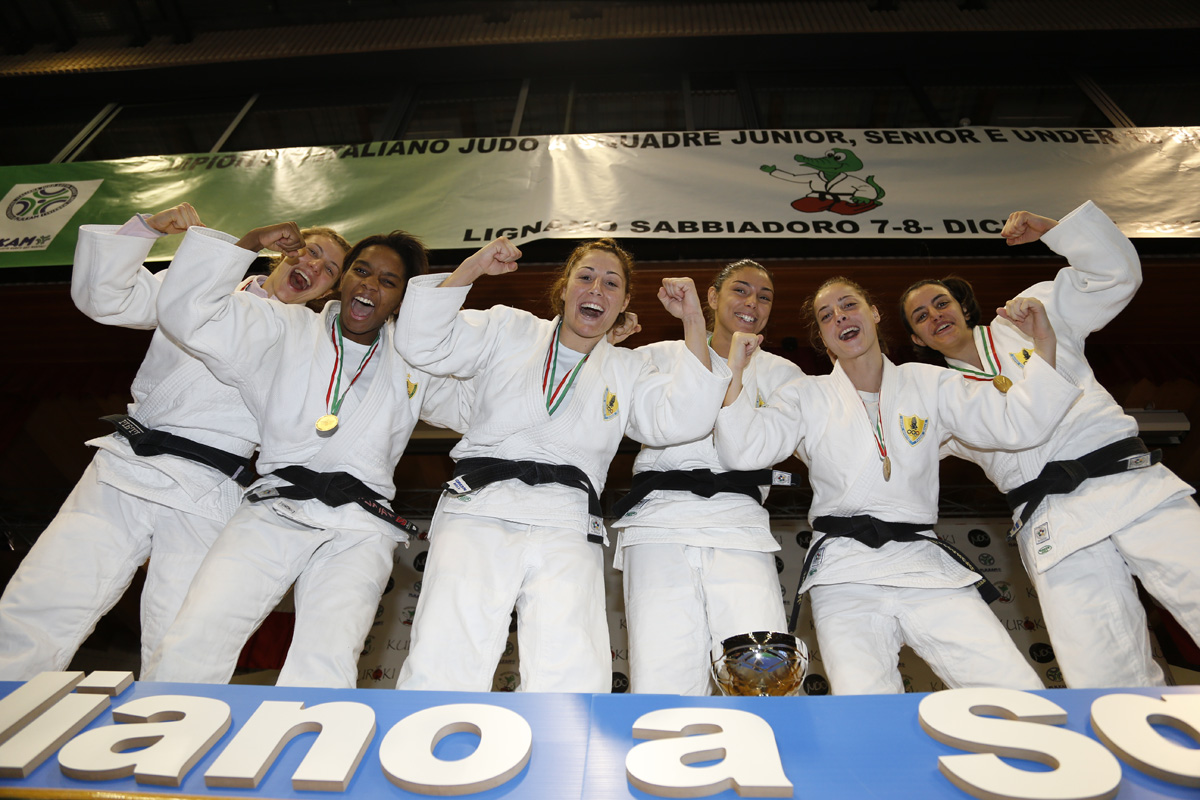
<point x="764" y="663"/>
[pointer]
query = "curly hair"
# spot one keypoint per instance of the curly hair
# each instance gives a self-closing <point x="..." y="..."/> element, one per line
<point x="604" y="246"/>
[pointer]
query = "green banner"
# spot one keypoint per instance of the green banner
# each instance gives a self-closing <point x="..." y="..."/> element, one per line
<point x="802" y="184"/>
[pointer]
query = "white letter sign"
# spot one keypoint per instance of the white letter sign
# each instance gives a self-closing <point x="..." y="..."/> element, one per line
<point x="744" y="742"/>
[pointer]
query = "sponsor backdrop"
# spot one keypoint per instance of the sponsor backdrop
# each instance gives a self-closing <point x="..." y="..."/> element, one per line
<point x="458" y="193"/>
<point x="982" y="540"/>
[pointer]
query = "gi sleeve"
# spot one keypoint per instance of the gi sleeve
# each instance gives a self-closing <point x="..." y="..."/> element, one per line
<point x="108" y="280"/>
<point x="676" y="406"/>
<point x="434" y="334"/>
<point x="1104" y="273"/>
<point x="1025" y="417"/>
<point x="237" y="336"/>
<point x="447" y="402"/>
<point x="749" y="437"/>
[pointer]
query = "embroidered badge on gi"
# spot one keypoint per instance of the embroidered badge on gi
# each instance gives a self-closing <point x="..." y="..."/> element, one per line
<point x="1021" y="357"/>
<point x="412" y="387"/>
<point x="1041" y="534"/>
<point x="758" y="401"/>
<point x="611" y="407"/>
<point x="913" y="427"/>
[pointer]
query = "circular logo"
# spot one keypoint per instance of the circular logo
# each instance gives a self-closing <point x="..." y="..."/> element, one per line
<point x="979" y="538"/>
<point x="778" y="564"/>
<point x="804" y="539"/>
<point x="417" y="587"/>
<point x="1041" y="652"/>
<point x="506" y="682"/>
<point x="1054" y="675"/>
<point x="378" y="612"/>
<point x="987" y="559"/>
<point x="509" y="648"/>
<point x="1005" y="589"/>
<point x="620" y="683"/>
<point x="419" y="561"/>
<point x="41" y="202"/>
<point x="391" y="584"/>
<point x="816" y="684"/>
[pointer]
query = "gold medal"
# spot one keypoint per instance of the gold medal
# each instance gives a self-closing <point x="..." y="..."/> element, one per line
<point x="887" y="468"/>
<point x="1003" y="383"/>
<point x="327" y="425"/>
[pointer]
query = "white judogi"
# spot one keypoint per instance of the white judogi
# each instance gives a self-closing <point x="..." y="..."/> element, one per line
<point x="126" y="507"/>
<point x="863" y="601"/>
<point x="696" y="570"/>
<point x="281" y="359"/>
<point x="511" y="544"/>
<point x="1079" y="548"/>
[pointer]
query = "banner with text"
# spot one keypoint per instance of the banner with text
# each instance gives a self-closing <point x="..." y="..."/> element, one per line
<point x="460" y="193"/>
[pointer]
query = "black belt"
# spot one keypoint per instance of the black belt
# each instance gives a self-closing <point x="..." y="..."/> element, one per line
<point x="702" y="482"/>
<point x="149" y="442"/>
<point x="874" y="533"/>
<point x="333" y="489"/>
<point x="1064" y="477"/>
<point x="475" y="473"/>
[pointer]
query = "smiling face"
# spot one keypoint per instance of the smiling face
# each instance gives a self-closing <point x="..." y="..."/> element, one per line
<point x="314" y="273"/>
<point x="743" y="303"/>
<point x="594" y="294"/>
<point x="937" y="320"/>
<point x="846" y="322"/>
<point x="371" y="292"/>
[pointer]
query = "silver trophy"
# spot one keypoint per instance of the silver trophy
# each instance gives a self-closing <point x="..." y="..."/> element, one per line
<point x="765" y="663"/>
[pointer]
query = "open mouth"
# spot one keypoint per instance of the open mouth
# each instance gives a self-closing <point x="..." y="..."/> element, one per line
<point x="940" y="329"/>
<point x="591" y="311"/>
<point x="745" y="319"/>
<point x="361" y="307"/>
<point x="848" y="334"/>
<point x="299" y="281"/>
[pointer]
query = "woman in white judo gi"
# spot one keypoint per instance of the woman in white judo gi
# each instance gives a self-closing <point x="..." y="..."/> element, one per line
<point x="695" y="543"/>
<point x="149" y="498"/>
<point x="870" y="433"/>
<point x="520" y="523"/>
<point x="1081" y="539"/>
<point x="336" y="405"/>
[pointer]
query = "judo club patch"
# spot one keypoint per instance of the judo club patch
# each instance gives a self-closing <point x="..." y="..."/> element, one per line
<point x="913" y="427"/>
<point x="412" y="387"/>
<point x="1021" y="357"/>
<point x="611" y="407"/>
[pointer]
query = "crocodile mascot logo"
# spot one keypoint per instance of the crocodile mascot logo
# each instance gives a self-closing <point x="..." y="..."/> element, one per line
<point x="830" y="186"/>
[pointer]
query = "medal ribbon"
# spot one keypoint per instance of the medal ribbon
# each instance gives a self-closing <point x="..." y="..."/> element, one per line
<point x="554" y="398"/>
<point x="989" y="353"/>
<point x="338" y="347"/>
<point x="877" y="431"/>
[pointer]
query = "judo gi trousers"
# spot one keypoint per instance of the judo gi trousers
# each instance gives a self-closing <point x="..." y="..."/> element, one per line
<point x="478" y="569"/>
<point x="1090" y="603"/>
<point x="861" y="627"/>
<point x="682" y="601"/>
<point x="84" y="561"/>
<point x="339" y="576"/>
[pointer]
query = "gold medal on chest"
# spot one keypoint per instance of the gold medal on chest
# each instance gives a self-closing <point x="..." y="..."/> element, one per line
<point x="887" y="468"/>
<point x="1002" y="383"/>
<point x="327" y="425"/>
